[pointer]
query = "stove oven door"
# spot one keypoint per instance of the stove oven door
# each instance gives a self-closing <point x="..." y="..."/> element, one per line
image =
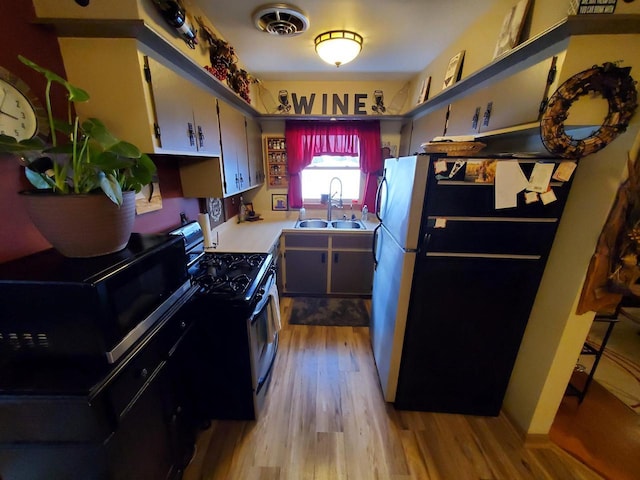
<point x="264" y="325"/>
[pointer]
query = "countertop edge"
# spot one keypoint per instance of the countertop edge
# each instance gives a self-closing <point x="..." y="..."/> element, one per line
<point x="261" y="236"/>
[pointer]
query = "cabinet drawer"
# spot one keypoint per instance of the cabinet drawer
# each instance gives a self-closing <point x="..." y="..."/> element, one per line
<point x="146" y="361"/>
<point x="303" y="240"/>
<point x="42" y="419"/>
<point x="457" y="197"/>
<point x="449" y="198"/>
<point x="515" y="237"/>
<point x="359" y="241"/>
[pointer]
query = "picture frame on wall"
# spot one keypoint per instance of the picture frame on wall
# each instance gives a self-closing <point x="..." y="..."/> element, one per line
<point x="454" y="69"/>
<point x="423" y="95"/>
<point x="511" y="29"/>
<point x="279" y="202"/>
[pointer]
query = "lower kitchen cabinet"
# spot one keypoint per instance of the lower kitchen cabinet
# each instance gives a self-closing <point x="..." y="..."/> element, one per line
<point x="328" y="263"/>
<point x="351" y="272"/>
<point x="78" y="421"/>
<point x="306" y="271"/>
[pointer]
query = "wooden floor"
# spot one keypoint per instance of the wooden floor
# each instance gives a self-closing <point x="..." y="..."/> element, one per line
<point x="325" y="418"/>
<point x="602" y="432"/>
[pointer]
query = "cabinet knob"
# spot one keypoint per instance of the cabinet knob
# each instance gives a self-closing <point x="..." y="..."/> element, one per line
<point x="144" y="373"/>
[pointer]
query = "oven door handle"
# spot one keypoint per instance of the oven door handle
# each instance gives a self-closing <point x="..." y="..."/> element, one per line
<point x="263" y="298"/>
<point x="262" y="380"/>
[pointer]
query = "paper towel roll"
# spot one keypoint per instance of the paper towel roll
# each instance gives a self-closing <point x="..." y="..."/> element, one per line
<point x="203" y="220"/>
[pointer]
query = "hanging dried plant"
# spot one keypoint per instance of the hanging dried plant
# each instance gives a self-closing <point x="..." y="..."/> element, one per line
<point x="224" y="63"/>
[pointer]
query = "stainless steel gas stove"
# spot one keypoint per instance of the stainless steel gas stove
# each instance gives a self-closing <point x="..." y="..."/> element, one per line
<point x="238" y="313"/>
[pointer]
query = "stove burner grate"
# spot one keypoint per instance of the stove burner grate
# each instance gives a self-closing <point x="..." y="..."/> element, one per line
<point x="228" y="274"/>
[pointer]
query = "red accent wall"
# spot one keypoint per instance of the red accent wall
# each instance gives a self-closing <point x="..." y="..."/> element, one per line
<point x="18" y="236"/>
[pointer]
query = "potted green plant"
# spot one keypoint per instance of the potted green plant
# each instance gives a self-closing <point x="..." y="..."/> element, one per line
<point x="93" y="170"/>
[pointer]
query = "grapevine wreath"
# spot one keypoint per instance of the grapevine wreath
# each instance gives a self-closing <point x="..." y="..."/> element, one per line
<point x="615" y="84"/>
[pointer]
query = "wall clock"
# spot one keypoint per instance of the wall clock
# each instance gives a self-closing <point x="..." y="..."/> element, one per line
<point x="22" y="116"/>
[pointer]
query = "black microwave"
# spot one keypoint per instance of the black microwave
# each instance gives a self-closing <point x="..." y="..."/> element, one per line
<point x="58" y="307"/>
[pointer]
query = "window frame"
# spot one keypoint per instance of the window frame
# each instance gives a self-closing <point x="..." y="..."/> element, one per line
<point x="315" y="203"/>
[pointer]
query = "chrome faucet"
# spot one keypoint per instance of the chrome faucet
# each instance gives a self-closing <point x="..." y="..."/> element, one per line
<point x="331" y="202"/>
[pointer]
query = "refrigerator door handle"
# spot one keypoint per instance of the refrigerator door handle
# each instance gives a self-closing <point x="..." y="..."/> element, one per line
<point x="379" y="195"/>
<point x="375" y="245"/>
<point x="425" y="242"/>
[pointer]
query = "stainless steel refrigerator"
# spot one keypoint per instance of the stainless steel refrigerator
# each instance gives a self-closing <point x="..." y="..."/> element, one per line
<point x="454" y="283"/>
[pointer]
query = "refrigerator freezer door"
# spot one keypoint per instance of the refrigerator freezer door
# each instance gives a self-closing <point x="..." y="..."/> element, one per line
<point x="402" y="198"/>
<point x="389" y="306"/>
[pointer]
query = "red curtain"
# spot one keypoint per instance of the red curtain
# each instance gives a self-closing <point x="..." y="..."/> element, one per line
<point x="306" y="139"/>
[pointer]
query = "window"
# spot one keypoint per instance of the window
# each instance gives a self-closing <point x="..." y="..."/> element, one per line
<point x="309" y="141"/>
<point x="318" y="174"/>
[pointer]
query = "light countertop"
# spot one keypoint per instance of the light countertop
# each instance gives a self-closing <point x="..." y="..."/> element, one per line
<point x="260" y="236"/>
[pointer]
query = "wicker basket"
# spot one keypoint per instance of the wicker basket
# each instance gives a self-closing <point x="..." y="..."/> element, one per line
<point x="453" y="148"/>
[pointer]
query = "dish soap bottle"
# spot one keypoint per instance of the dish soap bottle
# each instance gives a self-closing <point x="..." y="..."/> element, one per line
<point x="242" y="216"/>
<point x="365" y="213"/>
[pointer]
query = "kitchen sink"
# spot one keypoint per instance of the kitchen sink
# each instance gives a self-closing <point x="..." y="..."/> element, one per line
<point x="336" y="224"/>
<point x="347" y="224"/>
<point x="312" y="224"/>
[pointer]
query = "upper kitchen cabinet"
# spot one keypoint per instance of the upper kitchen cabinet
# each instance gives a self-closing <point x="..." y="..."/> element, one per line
<point x="139" y="98"/>
<point x="513" y="100"/>
<point x="506" y="95"/>
<point x="235" y="170"/>
<point x="185" y="113"/>
<point x="233" y="136"/>
<point x="254" y="151"/>
<point x="425" y="128"/>
<point x="140" y="20"/>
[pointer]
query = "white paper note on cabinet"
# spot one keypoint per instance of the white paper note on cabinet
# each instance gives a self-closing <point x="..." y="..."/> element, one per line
<point x="509" y="181"/>
<point x="540" y="177"/>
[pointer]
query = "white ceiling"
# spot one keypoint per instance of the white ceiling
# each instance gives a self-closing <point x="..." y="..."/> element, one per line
<point x="401" y="37"/>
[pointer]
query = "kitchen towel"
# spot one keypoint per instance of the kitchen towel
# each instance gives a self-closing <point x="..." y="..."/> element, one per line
<point x="205" y="225"/>
<point x="274" y="326"/>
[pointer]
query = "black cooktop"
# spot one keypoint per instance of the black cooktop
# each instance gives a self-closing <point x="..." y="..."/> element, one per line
<point x="230" y="276"/>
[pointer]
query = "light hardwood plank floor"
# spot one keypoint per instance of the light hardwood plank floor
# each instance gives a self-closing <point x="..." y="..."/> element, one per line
<point x="325" y="419"/>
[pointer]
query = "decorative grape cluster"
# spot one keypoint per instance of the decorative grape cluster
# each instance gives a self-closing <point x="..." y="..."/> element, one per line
<point x="243" y="91"/>
<point x="219" y="70"/>
<point x="224" y="63"/>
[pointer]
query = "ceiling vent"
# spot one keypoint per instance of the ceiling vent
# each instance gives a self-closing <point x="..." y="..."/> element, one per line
<point x="280" y="19"/>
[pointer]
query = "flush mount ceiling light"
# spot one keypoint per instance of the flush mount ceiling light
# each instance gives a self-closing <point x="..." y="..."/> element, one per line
<point x="338" y="47"/>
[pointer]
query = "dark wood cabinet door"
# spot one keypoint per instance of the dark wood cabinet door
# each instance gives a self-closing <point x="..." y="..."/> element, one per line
<point x="463" y="335"/>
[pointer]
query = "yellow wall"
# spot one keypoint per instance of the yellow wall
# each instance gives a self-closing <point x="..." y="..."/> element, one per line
<point x="555" y="334"/>
<point x="479" y="40"/>
<point x="395" y="95"/>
